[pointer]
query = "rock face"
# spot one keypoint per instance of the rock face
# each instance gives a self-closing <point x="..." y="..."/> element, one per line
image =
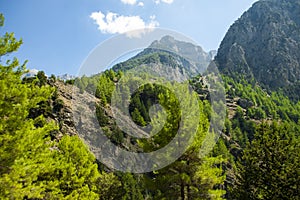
<point x="62" y="112"/>
<point x="264" y="44"/>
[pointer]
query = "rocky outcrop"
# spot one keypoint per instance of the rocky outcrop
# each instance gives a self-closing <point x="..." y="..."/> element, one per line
<point x="264" y="44"/>
<point x="62" y="112"/>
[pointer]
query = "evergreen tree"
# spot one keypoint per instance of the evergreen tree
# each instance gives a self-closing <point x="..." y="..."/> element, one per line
<point x="131" y="188"/>
<point x="31" y="165"/>
<point x="192" y="176"/>
<point x="104" y="89"/>
<point x="270" y="168"/>
<point x="42" y="78"/>
<point x="137" y="118"/>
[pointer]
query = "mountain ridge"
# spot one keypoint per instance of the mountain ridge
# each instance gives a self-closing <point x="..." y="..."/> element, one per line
<point x="188" y="58"/>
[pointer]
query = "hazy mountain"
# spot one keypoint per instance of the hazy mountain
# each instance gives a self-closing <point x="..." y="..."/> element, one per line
<point x="264" y="44"/>
<point x="65" y="77"/>
<point x="31" y="73"/>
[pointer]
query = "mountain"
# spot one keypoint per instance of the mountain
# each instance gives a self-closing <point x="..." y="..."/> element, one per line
<point x="264" y="45"/>
<point x="256" y="156"/>
<point x="186" y="49"/>
<point x="30" y="73"/>
<point x="66" y="77"/>
<point x="185" y="59"/>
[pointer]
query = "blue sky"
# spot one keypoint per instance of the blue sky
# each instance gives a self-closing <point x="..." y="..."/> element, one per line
<point x="59" y="34"/>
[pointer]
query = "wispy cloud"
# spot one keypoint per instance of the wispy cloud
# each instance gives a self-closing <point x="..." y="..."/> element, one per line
<point x="164" y="1"/>
<point x="130" y="2"/>
<point x="133" y="2"/>
<point x="114" y="23"/>
<point x="168" y="1"/>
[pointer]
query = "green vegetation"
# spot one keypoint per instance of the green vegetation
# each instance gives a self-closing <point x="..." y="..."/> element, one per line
<point x="265" y="142"/>
<point x="270" y="166"/>
<point x="32" y="166"/>
<point x="256" y="157"/>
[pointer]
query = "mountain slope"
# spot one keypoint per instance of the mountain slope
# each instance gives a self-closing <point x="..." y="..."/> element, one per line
<point x="184" y="58"/>
<point x="264" y="44"/>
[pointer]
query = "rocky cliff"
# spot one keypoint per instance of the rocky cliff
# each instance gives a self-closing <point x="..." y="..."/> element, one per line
<point x="264" y="44"/>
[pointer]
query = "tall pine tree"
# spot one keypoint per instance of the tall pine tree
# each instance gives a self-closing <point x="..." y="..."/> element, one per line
<point x="32" y="166"/>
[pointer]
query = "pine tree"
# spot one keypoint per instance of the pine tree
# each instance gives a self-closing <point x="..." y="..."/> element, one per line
<point x="270" y="168"/>
<point x="104" y="89"/>
<point x="24" y="145"/>
<point x="131" y="188"/>
<point x="16" y="99"/>
<point x="192" y="176"/>
<point x="137" y="118"/>
<point x="31" y="165"/>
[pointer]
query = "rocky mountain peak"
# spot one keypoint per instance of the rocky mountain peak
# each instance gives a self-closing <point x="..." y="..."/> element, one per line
<point x="183" y="58"/>
<point x="264" y="44"/>
<point x="186" y="49"/>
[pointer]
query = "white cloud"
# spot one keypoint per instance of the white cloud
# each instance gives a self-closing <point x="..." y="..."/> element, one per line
<point x="168" y="1"/>
<point x="141" y="4"/>
<point x="114" y="23"/>
<point x="164" y="1"/>
<point x="130" y="2"/>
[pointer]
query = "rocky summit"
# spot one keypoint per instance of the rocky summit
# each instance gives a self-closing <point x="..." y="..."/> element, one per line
<point x="264" y="44"/>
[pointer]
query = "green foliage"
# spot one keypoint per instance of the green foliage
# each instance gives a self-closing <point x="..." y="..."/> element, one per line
<point x="108" y="186"/>
<point x="220" y="149"/>
<point x="16" y="99"/>
<point x="71" y="81"/>
<point x="266" y="107"/>
<point x="131" y="187"/>
<point x="101" y="115"/>
<point x="273" y="105"/>
<point x="24" y="159"/>
<point x="77" y="171"/>
<point x="39" y="79"/>
<point x="256" y="113"/>
<point x="104" y="89"/>
<point x="58" y="104"/>
<point x="8" y="43"/>
<point x="31" y="165"/>
<point x="192" y="176"/>
<point x="270" y="166"/>
<point x="141" y="101"/>
<point x="53" y="77"/>
<point x="148" y="57"/>
<point x="137" y="118"/>
<point x="42" y="78"/>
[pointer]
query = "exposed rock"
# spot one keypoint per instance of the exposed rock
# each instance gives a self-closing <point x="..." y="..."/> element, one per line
<point x="264" y="44"/>
<point x="63" y="113"/>
<point x="184" y="58"/>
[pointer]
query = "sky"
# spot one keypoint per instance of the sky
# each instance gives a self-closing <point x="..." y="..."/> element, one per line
<point x="58" y="35"/>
